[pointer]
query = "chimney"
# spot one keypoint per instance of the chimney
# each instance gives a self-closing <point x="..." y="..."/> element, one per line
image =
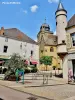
<point x="2" y="28"/>
<point x="2" y="31"/>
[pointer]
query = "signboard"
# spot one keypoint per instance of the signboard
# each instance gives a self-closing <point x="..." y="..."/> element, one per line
<point x="4" y="56"/>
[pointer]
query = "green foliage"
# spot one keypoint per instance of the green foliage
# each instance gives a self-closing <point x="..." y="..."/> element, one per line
<point x="46" y="60"/>
<point x="15" y="62"/>
<point x="30" y="68"/>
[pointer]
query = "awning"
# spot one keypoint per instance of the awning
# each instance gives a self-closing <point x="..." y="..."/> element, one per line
<point x="34" y="62"/>
<point x="2" y="62"/>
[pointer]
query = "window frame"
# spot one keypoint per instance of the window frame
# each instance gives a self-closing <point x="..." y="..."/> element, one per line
<point x="32" y="52"/>
<point x="5" y="51"/>
<point x="51" y="49"/>
<point x="73" y="44"/>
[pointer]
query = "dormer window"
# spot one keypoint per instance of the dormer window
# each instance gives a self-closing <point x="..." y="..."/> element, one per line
<point x="46" y="29"/>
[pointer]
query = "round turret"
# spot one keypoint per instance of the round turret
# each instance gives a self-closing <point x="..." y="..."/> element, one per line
<point x="61" y="23"/>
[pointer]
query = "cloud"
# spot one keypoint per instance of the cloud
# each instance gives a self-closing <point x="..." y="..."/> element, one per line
<point x="25" y="11"/>
<point x="34" y="8"/>
<point x="36" y="40"/>
<point x="55" y="33"/>
<point x="53" y="1"/>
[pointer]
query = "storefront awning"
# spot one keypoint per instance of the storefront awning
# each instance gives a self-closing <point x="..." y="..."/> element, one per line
<point x="3" y="57"/>
<point x="34" y="62"/>
<point x="2" y="62"/>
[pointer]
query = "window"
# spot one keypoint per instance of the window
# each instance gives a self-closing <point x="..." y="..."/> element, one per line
<point x="21" y="46"/>
<point x="3" y="33"/>
<point x="51" y="49"/>
<point x="55" y="41"/>
<point x="56" y="23"/>
<point x="73" y="39"/>
<point x="41" y="51"/>
<point x="63" y="41"/>
<point x="45" y="50"/>
<point x="6" y="39"/>
<point x="5" y="49"/>
<point x="25" y="44"/>
<point x="31" y="52"/>
<point x="46" y="29"/>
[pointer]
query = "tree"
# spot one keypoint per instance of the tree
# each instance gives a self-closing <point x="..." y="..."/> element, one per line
<point x="46" y="60"/>
<point x="14" y="63"/>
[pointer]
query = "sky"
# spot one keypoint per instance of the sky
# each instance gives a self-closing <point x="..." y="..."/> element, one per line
<point x="29" y="15"/>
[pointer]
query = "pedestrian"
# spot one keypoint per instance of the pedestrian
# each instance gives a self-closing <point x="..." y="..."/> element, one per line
<point x="70" y="75"/>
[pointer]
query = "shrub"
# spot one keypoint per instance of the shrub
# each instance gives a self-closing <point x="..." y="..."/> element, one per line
<point x="27" y="70"/>
<point x="34" y="70"/>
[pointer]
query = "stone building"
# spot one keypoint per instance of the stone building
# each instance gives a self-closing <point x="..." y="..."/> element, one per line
<point x="61" y="45"/>
<point x="65" y="31"/>
<point x="48" y="44"/>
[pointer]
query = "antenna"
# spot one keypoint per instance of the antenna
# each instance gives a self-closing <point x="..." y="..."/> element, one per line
<point x="45" y="19"/>
<point x="60" y="1"/>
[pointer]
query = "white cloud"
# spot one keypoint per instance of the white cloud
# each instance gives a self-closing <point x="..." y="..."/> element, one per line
<point x="34" y="8"/>
<point x="53" y="1"/>
<point x="36" y="40"/>
<point x="25" y="11"/>
<point x="55" y="33"/>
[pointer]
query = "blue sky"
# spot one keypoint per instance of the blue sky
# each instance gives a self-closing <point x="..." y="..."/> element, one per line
<point x="28" y="15"/>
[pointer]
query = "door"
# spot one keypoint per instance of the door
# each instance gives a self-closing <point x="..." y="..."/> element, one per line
<point x="73" y="62"/>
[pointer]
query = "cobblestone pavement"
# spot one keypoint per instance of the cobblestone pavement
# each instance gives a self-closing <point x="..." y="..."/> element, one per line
<point x="9" y="94"/>
<point x="57" y="89"/>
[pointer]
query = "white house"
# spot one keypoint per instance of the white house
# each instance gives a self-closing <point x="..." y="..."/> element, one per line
<point x="14" y="41"/>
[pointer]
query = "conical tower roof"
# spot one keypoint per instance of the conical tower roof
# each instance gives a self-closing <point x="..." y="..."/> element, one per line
<point x="60" y="8"/>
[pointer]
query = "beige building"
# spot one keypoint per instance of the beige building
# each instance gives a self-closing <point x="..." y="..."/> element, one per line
<point x="48" y="44"/>
<point x="65" y="31"/>
<point x="61" y="45"/>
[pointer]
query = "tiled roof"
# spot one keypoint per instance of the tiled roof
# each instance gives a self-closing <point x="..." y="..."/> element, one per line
<point x="16" y="34"/>
<point x="50" y="39"/>
<point x="71" y="22"/>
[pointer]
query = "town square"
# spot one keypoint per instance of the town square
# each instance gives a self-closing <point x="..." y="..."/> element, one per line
<point x="37" y="50"/>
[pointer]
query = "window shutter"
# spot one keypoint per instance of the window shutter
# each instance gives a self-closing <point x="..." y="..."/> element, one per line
<point x="68" y="41"/>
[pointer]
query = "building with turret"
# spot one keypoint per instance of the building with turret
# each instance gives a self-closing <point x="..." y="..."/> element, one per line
<point x="48" y="44"/>
<point x="61" y="24"/>
<point x="61" y="45"/>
